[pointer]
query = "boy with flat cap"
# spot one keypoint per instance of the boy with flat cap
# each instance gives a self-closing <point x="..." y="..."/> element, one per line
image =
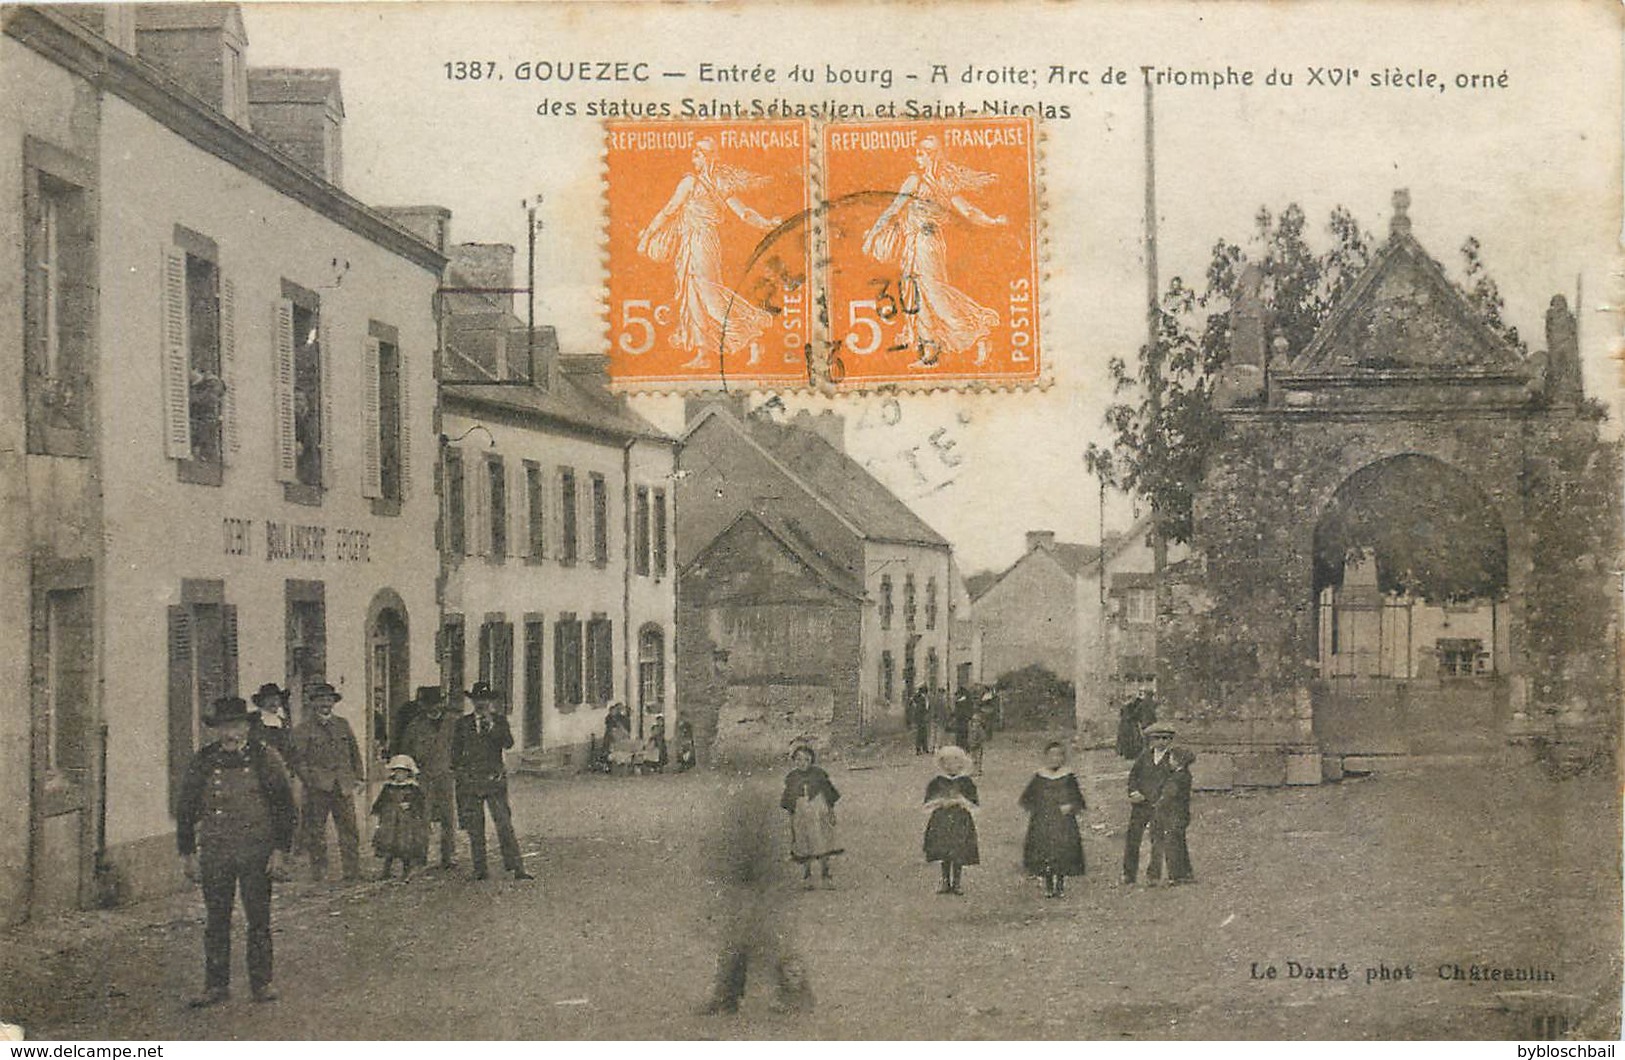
<point x="477" y="744"/>
<point x="236" y="804"/>
<point x="1145" y="780"/>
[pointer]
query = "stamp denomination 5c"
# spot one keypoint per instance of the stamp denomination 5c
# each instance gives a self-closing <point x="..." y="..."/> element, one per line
<point x="932" y="272"/>
<point x="700" y="290"/>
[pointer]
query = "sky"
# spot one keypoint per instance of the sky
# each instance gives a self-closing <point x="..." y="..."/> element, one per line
<point x="1533" y="169"/>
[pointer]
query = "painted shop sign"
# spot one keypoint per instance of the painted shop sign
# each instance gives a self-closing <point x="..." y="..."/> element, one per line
<point x="295" y="541"/>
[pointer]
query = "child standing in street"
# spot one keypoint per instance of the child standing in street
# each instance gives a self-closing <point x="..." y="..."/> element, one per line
<point x="1171" y="818"/>
<point x="810" y="799"/>
<point x="950" y="832"/>
<point x="403" y="824"/>
<point x="1054" y="849"/>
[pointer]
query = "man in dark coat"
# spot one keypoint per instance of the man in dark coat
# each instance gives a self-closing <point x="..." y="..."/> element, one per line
<point x="236" y="804"/>
<point x="477" y="744"/>
<point x="268" y="719"/>
<point x="964" y="707"/>
<point x="1145" y="780"/>
<point x="428" y="741"/>
<point x="328" y="762"/>
<point x="919" y="715"/>
<point x="1135" y="715"/>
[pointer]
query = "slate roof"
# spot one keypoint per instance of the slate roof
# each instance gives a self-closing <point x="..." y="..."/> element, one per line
<point x="843" y="483"/>
<point x="566" y="401"/>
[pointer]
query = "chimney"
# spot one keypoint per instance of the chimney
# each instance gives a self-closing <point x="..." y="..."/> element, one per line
<point x="1564" y="385"/>
<point x="1040" y="539"/>
<point x="302" y="113"/>
<point x="827" y="425"/>
<point x="484" y="265"/>
<point x="201" y="47"/>
<point x="432" y="224"/>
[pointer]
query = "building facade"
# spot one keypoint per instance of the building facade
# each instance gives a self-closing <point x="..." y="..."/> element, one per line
<point x="219" y="466"/>
<point x="833" y="518"/>
<point x="558" y="573"/>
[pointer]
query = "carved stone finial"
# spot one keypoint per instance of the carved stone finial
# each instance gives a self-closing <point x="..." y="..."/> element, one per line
<point x="1400" y="223"/>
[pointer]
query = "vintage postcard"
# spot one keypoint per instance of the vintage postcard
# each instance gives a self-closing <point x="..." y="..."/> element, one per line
<point x="785" y="521"/>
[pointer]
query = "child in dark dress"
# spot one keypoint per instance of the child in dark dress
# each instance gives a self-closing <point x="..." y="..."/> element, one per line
<point x="403" y="824"/>
<point x="950" y="833"/>
<point x="1170" y="819"/>
<point x="809" y="797"/>
<point x="1053" y="800"/>
<point x="685" y="745"/>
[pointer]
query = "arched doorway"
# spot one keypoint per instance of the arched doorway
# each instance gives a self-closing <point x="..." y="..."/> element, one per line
<point x="388" y="674"/>
<point x="1411" y="602"/>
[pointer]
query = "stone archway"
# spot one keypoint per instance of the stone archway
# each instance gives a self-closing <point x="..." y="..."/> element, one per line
<point x="1412" y="639"/>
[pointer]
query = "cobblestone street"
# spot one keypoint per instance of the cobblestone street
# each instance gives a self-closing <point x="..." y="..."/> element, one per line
<point x="611" y="941"/>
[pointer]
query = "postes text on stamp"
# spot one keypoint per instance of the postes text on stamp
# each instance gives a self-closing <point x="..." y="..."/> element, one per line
<point x="708" y="263"/>
<point x="932" y="273"/>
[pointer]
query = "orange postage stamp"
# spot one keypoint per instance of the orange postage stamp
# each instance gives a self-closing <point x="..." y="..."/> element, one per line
<point x="932" y="272"/>
<point x="708" y="257"/>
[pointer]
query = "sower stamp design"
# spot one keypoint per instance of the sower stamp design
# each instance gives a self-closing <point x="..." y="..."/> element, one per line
<point x="700" y="289"/>
<point x="932" y="273"/>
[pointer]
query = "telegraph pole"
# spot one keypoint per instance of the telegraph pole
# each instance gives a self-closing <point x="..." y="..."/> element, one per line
<point x="1153" y="354"/>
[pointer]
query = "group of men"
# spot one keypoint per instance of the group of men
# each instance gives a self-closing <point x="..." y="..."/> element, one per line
<point x="238" y="814"/>
<point x="935" y="722"/>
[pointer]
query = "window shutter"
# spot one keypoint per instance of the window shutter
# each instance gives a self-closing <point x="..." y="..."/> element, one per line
<point x="228" y="637"/>
<point x="287" y="449"/>
<point x="372" y="472"/>
<point x="177" y="358"/>
<point x="505" y="655"/>
<point x="325" y="351"/>
<point x="180" y="700"/>
<point x="228" y="368"/>
<point x="479" y="495"/>
<point x="405" y="421"/>
<point x="520" y="503"/>
<point x="555" y="522"/>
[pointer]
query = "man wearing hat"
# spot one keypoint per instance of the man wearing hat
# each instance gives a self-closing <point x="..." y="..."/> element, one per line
<point x="328" y="761"/>
<point x="428" y="741"/>
<point x="268" y="719"/>
<point x="1145" y="780"/>
<point x="236" y="804"/>
<point x="477" y="744"/>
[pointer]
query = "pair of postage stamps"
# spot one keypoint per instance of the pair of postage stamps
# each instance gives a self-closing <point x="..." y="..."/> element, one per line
<point x="786" y="254"/>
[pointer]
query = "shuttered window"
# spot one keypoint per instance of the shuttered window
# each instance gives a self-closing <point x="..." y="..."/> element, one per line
<point x="59" y="297"/>
<point x="496" y="658"/>
<point x="600" y="664"/>
<point x="383" y="450"/>
<point x="451" y="654"/>
<point x="304" y="383"/>
<point x="203" y="667"/>
<point x="566" y="663"/>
